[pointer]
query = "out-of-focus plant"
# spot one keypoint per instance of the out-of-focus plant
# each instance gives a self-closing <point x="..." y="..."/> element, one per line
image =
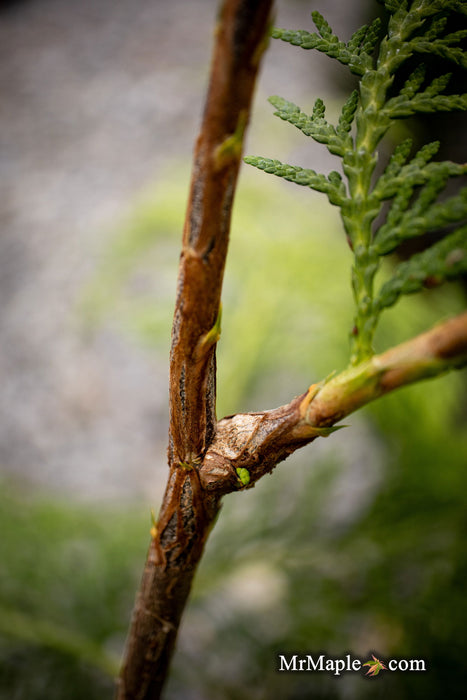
<point x="64" y="592"/>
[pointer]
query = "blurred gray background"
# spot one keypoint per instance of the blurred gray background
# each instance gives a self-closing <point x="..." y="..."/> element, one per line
<point x="97" y="98"/>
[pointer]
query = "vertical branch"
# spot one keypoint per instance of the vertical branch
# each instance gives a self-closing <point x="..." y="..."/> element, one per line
<point x="240" y="40"/>
<point x="188" y="511"/>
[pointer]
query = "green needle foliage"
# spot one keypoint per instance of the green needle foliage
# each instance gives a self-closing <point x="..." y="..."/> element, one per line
<point x="408" y="199"/>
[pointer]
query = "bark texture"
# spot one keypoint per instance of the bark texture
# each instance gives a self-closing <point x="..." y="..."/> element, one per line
<point x="188" y="512"/>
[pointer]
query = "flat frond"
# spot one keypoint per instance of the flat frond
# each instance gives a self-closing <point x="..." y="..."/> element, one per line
<point x="399" y="176"/>
<point x="319" y="110"/>
<point x="327" y="42"/>
<point x="428" y="8"/>
<point x="438" y="85"/>
<point x="316" y="126"/>
<point x="418" y="220"/>
<point x="372" y="37"/>
<point x="454" y="6"/>
<point x="348" y="114"/>
<point x="413" y="186"/>
<point x="445" y="260"/>
<point x="332" y="185"/>
<point x="365" y="39"/>
<point x="414" y="81"/>
<point x="397" y="160"/>
<point x="441" y="48"/>
<point x="425" y="102"/>
<point x="322" y="26"/>
<point x="357" y="38"/>
<point x="436" y="28"/>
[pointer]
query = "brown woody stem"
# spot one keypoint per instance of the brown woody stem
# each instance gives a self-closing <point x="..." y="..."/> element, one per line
<point x="241" y="36"/>
<point x="187" y="511"/>
<point x="258" y="441"/>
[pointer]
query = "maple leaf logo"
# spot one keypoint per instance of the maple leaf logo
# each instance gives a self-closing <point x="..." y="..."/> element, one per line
<point x="375" y="666"/>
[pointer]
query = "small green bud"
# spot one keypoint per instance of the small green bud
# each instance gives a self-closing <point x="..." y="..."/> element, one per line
<point x="243" y="475"/>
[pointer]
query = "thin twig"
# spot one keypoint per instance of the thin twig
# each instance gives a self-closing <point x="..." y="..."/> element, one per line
<point x="259" y="441"/>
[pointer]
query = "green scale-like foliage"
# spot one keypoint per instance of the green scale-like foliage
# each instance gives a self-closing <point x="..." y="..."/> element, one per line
<point x="444" y="260"/>
<point x="408" y="198"/>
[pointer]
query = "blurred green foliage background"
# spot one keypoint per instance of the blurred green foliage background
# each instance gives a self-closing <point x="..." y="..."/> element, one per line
<point x="354" y="545"/>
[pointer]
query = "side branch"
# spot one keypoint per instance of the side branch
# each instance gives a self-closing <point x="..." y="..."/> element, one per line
<point x="430" y="354"/>
<point x="241" y="36"/>
<point x="258" y="441"/>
